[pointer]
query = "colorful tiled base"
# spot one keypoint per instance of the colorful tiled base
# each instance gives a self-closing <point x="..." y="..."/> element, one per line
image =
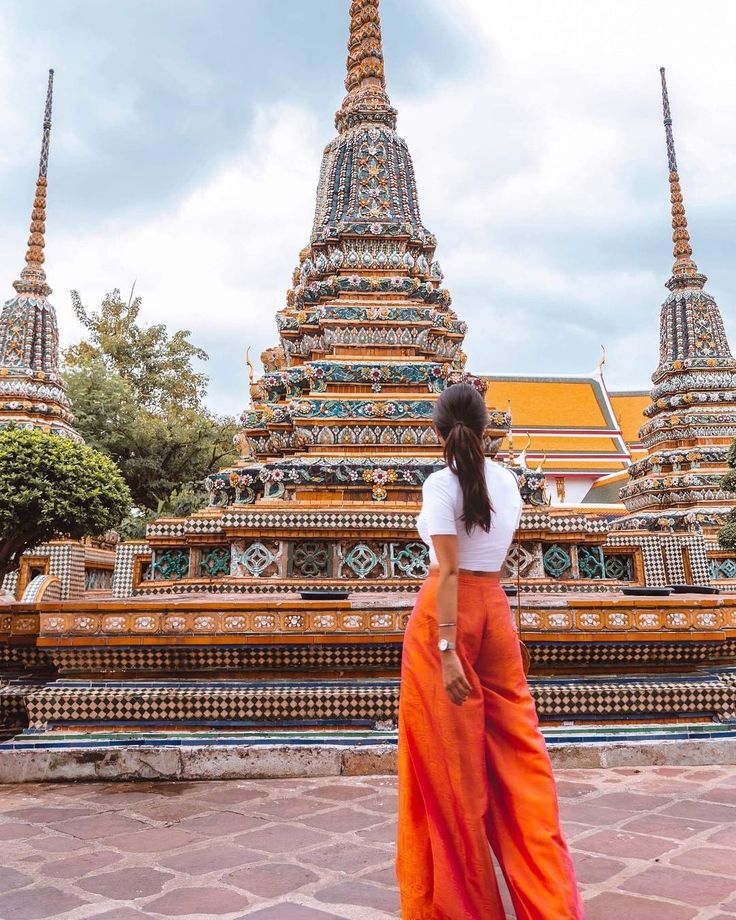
<point x="361" y="701"/>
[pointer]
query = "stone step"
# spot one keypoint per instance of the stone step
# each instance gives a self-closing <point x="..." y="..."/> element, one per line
<point x="128" y="756"/>
<point x="366" y="702"/>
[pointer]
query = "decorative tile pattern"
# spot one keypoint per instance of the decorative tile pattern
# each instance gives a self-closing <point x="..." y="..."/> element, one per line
<point x="368" y="701"/>
<point x="340" y="702"/>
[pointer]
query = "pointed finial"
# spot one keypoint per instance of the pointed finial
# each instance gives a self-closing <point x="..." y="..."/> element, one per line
<point x="521" y="460"/>
<point x="510" y="436"/>
<point x="602" y="362"/>
<point x="251" y="374"/>
<point x="365" y="81"/>
<point x="684" y="268"/>
<point x="33" y="278"/>
<point x="365" y="47"/>
<point x="44" y="161"/>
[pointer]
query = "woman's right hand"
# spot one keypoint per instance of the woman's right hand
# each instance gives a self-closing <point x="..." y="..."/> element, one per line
<point x="454" y="679"/>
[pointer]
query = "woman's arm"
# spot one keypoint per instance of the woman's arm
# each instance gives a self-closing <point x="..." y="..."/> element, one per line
<point x="456" y="684"/>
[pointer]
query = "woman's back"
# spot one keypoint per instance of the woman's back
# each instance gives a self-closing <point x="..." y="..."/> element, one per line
<point x="442" y="513"/>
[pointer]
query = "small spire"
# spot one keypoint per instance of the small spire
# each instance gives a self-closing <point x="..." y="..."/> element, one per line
<point x="33" y="278"/>
<point x="602" y="362"/>
<point x="684" y="267"/>
<point x="365" y="81"/>
<point x="365" y="48"/>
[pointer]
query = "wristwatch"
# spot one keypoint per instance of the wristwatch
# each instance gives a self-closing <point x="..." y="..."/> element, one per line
<point x="444" y="645"/>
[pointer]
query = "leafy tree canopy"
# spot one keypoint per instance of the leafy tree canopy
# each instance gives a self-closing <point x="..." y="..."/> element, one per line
<point x="137" y="397"/>
<point x="52" y="487"/>
<point x="156" y="365"/>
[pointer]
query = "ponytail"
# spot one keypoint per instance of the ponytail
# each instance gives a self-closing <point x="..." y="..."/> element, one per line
<point x="460" y="416"/>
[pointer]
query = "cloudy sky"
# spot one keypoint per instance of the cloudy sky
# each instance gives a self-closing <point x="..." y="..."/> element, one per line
<point x="188" y="133"/>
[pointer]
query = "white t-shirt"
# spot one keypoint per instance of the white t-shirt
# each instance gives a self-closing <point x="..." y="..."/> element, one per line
<point x="442" y="509"/>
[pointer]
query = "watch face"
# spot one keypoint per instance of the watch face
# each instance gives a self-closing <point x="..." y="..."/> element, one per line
<point x="443" y="645"/>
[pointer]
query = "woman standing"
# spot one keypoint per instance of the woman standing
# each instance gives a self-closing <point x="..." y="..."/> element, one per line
<point x="473" y="766"/>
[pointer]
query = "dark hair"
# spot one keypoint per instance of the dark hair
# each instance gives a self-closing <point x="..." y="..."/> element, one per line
<point x="460" y="416"/>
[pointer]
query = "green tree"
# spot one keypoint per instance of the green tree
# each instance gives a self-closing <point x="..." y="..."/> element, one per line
<point x="157" y="366"/>
<point x="727" y="533"/>
<point x="137" y="397"/>
<point x="52" y="487"/>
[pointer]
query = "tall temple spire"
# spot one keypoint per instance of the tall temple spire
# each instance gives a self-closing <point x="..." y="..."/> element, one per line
<point x="684" y="270"/>
<point x="691" y="420"/>
<point x="365" y="81"/>
<point x="32" y="392"/>
<point x="33" y="278"/>
<point x="367" y="336"/>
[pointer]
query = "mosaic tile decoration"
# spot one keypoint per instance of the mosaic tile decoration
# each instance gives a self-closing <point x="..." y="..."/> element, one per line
<point x="287" y="660"/>
<point x="22" y="657"/>
<point x="708" y="694"/>
<point x="266" y="621"/>
<point x="13" y="708"/>
<point x="125" y="556"/>
<point x="298" y="703"/>
<point x="629" y="655"/>
<point x="283" y="659"/>
<point x="42" y="588"/>
<point x="664" y="555"/>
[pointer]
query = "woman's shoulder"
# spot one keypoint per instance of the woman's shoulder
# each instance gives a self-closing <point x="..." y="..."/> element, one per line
<point x="501" y="474"/>
<point x="443" y="480"/>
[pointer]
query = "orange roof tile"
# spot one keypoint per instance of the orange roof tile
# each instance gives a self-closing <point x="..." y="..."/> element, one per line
<point x="629" y="408"/>
<point x="552" y="402"/>
<point x="565" y="423"/>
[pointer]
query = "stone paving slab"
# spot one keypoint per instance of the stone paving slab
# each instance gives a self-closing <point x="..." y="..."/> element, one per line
<point x="650" y="843"/>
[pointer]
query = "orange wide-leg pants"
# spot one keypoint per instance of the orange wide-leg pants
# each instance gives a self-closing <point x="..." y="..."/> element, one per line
<point x="476" y="774"/>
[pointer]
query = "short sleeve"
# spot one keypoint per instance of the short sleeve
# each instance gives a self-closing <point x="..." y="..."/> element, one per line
<point x="518" y="500"/>
<point x="438" y="507"/>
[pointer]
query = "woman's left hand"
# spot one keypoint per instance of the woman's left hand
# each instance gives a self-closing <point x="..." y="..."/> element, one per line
<point x="453" y="676"/>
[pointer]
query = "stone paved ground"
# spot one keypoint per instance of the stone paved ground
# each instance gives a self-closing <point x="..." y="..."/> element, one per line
<point x="654" y="843"/>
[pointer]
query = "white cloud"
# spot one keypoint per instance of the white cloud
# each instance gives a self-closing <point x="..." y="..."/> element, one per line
<point x="555" y="146"/>
<point x="220" y="260"/>
<point x="542" y="171"/>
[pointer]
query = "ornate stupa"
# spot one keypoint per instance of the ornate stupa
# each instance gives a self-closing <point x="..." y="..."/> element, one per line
<point x="368" y="337"/>
<point x="692" y="416"/>
<point x="32" y="392"/>
<point x="338" y="439"/>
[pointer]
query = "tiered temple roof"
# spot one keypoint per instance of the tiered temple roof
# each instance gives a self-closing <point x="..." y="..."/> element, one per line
<point x="692" y="413"/>
<point x="32" y="392"/>
<point x="565" y="425"/>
